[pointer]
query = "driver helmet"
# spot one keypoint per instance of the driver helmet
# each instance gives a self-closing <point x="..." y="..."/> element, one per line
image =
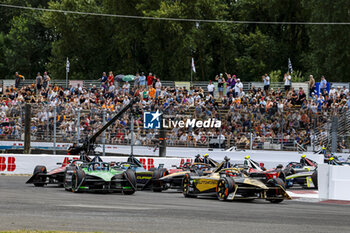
<point x="247" y="157"/>
<point x="303" y="156"/>
<point x="198" y="156"/>
<point x="226" y="158"/>
<point x="279" y="166"/>
<point x="331" y="158"/>
<point x="206" y="155"/>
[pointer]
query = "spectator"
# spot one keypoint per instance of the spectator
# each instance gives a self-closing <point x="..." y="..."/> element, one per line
<point x="39" y="82"/>
<point x="287" y="82"/>
<point x="266" y="80"/>
<point x="104" y="80"/>
<point x="211" y="88"/>
<point x="152" y="92"/>
<point x="149" y="80"/>
<point x="230" y="83"/>
<point x="158" y="87"/>
<point x="221" y="82"/>
<point x="311" y="85"/>
<point x="110" y="79"/>
<point x="142" y="80"/>
<point x="126" y="87"/>
<point x="323" y="85"/>
<point x="137" y="80"/>
<point x="46" y="80"/>
<point x="18" y="79"/>
<point x="238" y="88"/>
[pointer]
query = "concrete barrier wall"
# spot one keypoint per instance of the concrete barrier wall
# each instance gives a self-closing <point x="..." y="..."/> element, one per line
<point x="269" y="158"/>
<point x="25" y="164"/>
<point x="334" y="182"/>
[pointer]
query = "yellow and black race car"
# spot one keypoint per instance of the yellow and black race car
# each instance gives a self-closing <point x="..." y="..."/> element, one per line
<point x="233" y="184"/>
<point x="174" y="179"/>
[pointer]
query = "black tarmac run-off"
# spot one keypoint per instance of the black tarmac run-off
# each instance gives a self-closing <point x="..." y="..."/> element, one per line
<point x="27" y="207"/>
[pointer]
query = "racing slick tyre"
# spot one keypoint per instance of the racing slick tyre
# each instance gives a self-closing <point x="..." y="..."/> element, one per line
<point x="39" y="181"/>
<point x="157" y="185"/>
<point x="130" y="176"/>
<point x="186" y="187"/>
<point x="314" y="179"/>
<point x="276" y="195"/>
<point x="66" y="182"/>
<point x="226" y="185"/>
<point x="77" y="179"/>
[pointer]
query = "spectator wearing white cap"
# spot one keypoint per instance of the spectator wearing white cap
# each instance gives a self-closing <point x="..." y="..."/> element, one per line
<point x="238" y="88"/>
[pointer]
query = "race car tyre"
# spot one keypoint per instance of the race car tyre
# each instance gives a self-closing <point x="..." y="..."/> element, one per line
<point x="282" y="176"/>
<point x="131" y="177"/>
<point x="67" y="186"/>
<point x="186" y="187"/>
<point x="226" y="185"/>
<point x="157" y="185"/>
<point x="276" y="195"/>
<point x="39" y="181"/>
<point x="314" y="179"/>
<point x="77" y="179"/>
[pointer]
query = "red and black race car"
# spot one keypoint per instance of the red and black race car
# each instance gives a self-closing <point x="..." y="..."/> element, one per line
<point x="41" y="177"/>
<point x="254" y="170"/>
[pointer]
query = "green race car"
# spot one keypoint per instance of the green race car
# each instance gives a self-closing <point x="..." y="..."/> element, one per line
<point x="99" y="177"/>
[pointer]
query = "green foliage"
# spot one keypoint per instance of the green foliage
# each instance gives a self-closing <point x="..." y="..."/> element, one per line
<point x="32" y="41"/>
<point x="276" y="76"/>
<point x="297" y="76"/>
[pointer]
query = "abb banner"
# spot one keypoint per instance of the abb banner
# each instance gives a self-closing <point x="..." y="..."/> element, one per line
<point x="25" y="164"/>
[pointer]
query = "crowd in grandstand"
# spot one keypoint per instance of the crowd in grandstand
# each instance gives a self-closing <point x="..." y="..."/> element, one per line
<point x="258" y="114"/>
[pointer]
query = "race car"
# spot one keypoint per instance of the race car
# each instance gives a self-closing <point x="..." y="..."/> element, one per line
<point x="336" y="160"/>
<point x="232" y="184"/>
<point x="174" y="179"/>
<point x="296" y="167"/>
<point x="99" y="177"/>
<point x="144" y="179"/>
<point x="254" y="170"/>
<point x="303" y="173"/>
<point x="41" y="177"/>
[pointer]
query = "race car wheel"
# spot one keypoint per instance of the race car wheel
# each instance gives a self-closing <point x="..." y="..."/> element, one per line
<point x="157" y="185"/>
<point x="275" y="195"/>
<point x="282" y="176"/>
<point x="186" y="186"/>
<point x="67" y="186"/>
<point x="130" y="176"/>
<point x="77" y="178"/>
<point x="314" y="179"/>
<point x="39" y="181"/>
<point x="226" y="185"/>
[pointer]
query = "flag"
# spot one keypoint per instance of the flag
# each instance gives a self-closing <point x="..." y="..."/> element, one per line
<point x="290" y="68"/>
<point x="67" y="65"/>
<point x="193" y="67"/>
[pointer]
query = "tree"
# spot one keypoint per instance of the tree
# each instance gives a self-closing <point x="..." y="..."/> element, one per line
<point x="84" y="39"/>
<point x="329" y="44"/>
<point x="27" y="45"/>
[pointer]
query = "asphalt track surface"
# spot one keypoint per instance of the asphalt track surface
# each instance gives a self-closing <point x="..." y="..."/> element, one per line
<point x="24" y="206"/>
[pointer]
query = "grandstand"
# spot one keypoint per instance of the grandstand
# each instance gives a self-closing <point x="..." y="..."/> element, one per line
<point x="251" y="121"/>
